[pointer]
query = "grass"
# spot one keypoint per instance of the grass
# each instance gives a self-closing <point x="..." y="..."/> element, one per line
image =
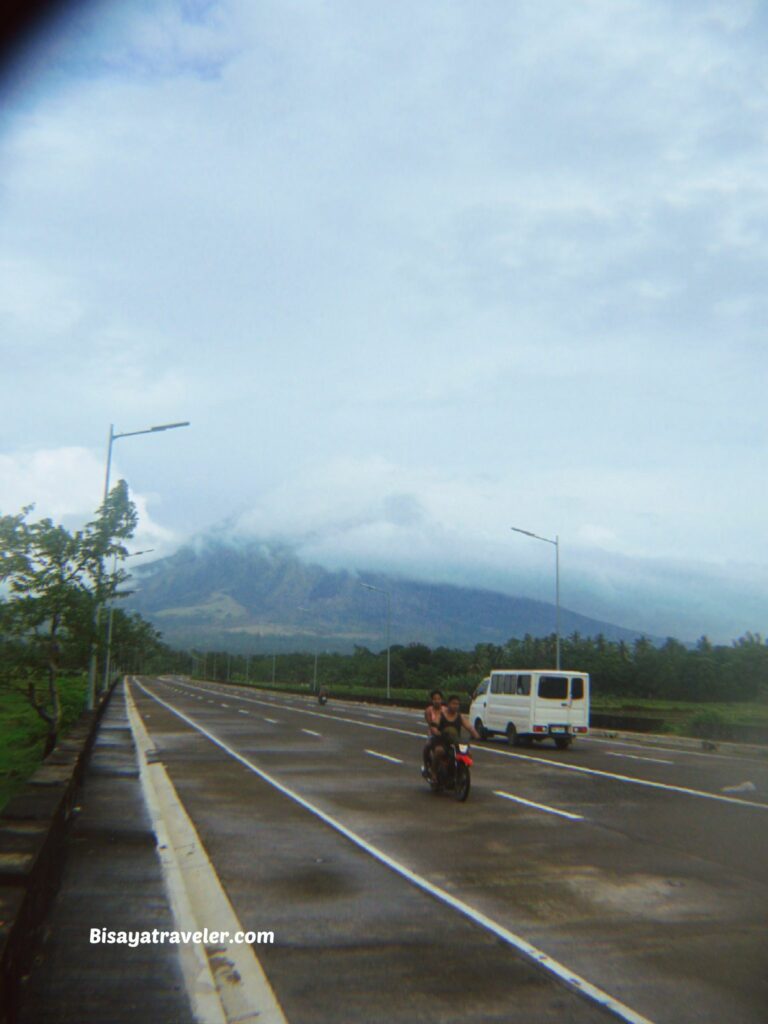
<point x="677" y="712"/>
<point x="22" y="732"/>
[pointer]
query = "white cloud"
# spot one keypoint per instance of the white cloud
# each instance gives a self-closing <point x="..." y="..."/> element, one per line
<point x="67" y="485"/>
<point x="36" y="300"/>
<point x="412" y="272"/>
<point x="372" y="515"/>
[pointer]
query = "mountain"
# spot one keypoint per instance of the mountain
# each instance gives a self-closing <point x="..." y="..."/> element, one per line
<point x="255" y="597"/>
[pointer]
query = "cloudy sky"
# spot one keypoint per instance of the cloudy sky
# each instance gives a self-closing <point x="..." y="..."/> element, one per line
<point x="415" y="273"/>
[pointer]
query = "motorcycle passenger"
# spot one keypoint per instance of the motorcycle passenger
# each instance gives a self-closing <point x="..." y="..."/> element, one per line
<point x="432" y="715"/>
<point x="450" y="725"/>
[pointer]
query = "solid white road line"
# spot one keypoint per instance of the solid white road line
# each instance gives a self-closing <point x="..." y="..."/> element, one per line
<point x="385" y="757"/>
<point x="637" y="757"/>
<point x="542" y="761"/>
<point x="574" y="981"/>
<point x="539" y="807"/>
<point x="225" y="981"/>
<point x="201" y="988"/>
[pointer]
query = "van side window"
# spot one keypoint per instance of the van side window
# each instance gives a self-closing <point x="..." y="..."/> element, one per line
<point x="497" y="684"/>
<point x="510" y="681"/>
<point x="482" y="688"/>
<point x="523" y="685"/>
<point x="577" y="689"/>
<point x="553" y="687"/>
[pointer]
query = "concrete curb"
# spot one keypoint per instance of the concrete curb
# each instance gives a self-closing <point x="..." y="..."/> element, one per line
<point x="33" y="830"/>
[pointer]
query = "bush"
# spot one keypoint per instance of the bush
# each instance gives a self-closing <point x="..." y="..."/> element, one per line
<point x="708" y="724"/>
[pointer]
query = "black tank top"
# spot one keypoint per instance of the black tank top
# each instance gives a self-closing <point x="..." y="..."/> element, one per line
<point x="447" y="723"/>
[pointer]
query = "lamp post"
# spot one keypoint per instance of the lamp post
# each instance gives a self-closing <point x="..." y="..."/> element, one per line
<point x="314" y="675"/>
<point x="388" y="595"/>
<point x="92" y="667"/>
<point x="556" y="543"/>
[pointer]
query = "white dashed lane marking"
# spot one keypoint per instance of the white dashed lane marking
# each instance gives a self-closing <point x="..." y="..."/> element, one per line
<point x="636" y="757"/>
<point x="384" y="757"/>
<point x="538" y="807"/>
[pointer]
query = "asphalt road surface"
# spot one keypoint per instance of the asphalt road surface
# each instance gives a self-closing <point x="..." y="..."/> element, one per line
<point x="611" y="881"/>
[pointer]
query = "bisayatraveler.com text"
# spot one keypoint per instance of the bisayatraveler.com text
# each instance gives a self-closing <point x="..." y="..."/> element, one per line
<point x="205" y="937"/>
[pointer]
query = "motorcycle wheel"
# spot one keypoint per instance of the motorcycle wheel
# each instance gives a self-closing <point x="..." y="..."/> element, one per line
<point x="461" y="787"/>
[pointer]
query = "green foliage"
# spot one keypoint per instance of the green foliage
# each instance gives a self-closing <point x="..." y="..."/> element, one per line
<point x="639" y="672"/>
<point x="56" y="578"/>
<point x="23" y="733"/>
<point x="707" y="724"/>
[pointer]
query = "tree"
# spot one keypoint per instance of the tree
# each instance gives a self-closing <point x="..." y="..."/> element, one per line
<point x="56" y="579"/>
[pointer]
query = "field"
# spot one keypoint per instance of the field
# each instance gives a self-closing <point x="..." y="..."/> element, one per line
<point x="22" y="732"/>
<point x="686" y="718"/>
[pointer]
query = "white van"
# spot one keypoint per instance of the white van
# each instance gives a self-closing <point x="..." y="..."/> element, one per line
<point x="532" y="704"/>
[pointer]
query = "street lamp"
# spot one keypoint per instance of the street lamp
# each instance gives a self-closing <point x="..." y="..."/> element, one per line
<point x="556" y="543"/>
<point x="388" y="595"/>
<point x="301" y="608"/>
<point x="91" y="696"/>
<point x="131" y="433"/>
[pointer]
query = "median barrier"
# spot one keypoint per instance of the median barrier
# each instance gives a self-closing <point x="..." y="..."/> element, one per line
<point x="626" y="723"/>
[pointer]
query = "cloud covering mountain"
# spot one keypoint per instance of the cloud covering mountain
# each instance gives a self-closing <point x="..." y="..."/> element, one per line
<point x="249" y="596"/>
<point x="416" y="274"/>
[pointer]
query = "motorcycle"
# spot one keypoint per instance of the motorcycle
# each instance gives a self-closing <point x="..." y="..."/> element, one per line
<point x="322" y="698"/>
<point x="452" y="772"/>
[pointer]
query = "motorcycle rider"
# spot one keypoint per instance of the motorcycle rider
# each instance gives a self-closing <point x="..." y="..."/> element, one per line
<point x="449" y="728"/>
<point x="432" y="715"/>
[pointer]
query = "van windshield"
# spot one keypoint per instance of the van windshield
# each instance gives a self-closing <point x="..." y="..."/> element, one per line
<point x="553" y="687"/>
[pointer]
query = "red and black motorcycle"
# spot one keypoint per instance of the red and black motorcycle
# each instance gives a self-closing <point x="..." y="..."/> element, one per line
<point x="452" y="772"/>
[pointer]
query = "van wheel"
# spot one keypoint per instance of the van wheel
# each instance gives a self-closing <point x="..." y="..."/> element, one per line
<point x="563" y="742"/>
<point x="512" y="738"/>
<point x="480" y="729"/>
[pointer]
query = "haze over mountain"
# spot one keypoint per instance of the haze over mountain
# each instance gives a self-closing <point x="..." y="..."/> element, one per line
<point x="252" y="596"/>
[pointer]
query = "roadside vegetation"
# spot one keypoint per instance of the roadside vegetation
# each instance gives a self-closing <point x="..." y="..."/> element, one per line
<point x="53" y="581"/>
<point x="706" y="690"/>
<point x="703" y="674"/>
<point x="23" y="733"/>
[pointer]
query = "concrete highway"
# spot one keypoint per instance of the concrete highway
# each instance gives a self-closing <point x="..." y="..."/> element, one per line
<point x="611" y="881"/>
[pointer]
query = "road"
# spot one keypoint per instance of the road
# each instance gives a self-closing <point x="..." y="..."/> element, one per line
<point x="610" y="881"/>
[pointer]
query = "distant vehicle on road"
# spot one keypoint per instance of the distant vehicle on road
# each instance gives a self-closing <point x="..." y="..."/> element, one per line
<point x="528" y="705"/>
